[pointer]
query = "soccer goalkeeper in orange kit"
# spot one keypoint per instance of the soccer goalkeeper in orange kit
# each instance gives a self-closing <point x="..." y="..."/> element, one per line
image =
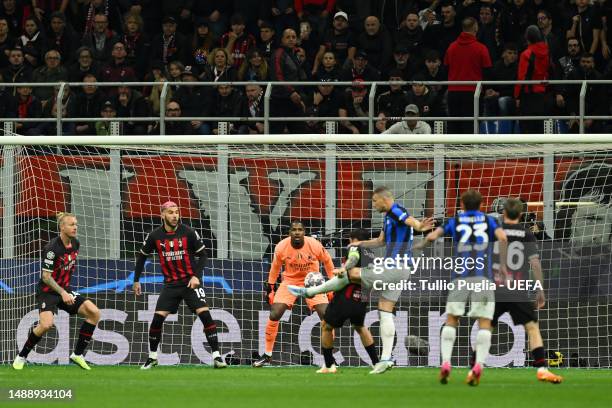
<point x="299" y="255"/>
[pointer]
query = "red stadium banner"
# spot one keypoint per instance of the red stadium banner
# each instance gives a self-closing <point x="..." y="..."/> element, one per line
<point x="44" y="190"/>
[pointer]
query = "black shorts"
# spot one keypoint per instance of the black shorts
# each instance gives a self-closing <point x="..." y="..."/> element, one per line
<point x="51" y="301"/>
<point x="171" y="296"/>
<point x="341" y="309"/>
<point x="521" y="312"/>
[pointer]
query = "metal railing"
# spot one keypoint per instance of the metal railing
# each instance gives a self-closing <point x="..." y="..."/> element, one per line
<point x="267" y="96"/>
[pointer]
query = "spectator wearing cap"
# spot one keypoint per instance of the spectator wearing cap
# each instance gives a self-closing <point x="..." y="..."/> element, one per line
<point x="410" y="126"/>
<point x="440" y="36"/>
<point x="466" y="60"/>
<point x="355" y="105"/>
<point x="85" y="64"/>
<point x="534" y="64"/>
<point x="137" y="44"/>
<point x="328" y="67"/>
<point x="62" y="37"/>
<point x="405" y="61"/>
<point x="227" y="103"/>
<point x="7" y="41"/>
<point x="499" y="99"/>
<point x="425" y="98"/>
<point x="194" y="101"/>
<point x="286" y="99"/>
<point x="410" y="35"/>
<point x="266" y="41"/>
<point x="107" y="111"/>
<point x="169" y="45"/>
<point x="361" y="69"/>
<point x="513" y="22"/>
<point x="315" y="11"/>
<point x="52" y="71"/>
<point x="88" y="103"/>
<point x="252" y="106"/>
<point x="17" y="71"/>
<point x="101" y="39"/>
<point x="237" y="42"/>
<point x="131" y="104"/>
<point x="376" y="42"/>
<point x="219" y="67"/>
<point x="392" y="102"/>
<point x="487" y="30"/>
<point x="33" y="42"/>
<point x="201" y="43"/>
<point x="340" y="41"/>
<point x="254" y="68"/>
<point x="118" y="69"/>
<point x="173" y="127"/>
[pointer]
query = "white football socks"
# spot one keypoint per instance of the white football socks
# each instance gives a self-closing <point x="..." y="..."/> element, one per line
<point x="387" y="334"/>
<point x="483" y="343"/>
<point x="447" y="342"/>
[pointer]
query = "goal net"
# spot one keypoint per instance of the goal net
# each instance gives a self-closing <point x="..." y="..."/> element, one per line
<point x="241" y="198"/>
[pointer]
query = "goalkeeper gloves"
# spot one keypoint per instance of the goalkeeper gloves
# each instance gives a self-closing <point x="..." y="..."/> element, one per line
<point x="270" y="291"/>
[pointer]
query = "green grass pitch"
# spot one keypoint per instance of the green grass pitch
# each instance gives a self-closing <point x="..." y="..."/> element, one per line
<point x="203" y="387"/>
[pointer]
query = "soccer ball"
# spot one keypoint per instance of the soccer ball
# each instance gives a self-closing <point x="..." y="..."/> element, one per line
<point x="313" y="279"/>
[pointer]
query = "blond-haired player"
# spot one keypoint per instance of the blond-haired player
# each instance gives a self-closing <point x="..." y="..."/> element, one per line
<point x="58" y="265"/>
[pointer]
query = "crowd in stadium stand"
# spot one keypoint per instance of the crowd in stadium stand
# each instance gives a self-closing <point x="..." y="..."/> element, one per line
<point x="326" y="41"/>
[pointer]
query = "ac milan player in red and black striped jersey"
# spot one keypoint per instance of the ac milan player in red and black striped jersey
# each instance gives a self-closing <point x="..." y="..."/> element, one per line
<point x="182" y="256"/>
<point x="58" y="265"/>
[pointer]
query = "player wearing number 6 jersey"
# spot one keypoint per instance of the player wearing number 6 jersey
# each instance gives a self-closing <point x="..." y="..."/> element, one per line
<point x="177" y="246"/>
<point x="523" y="254"/>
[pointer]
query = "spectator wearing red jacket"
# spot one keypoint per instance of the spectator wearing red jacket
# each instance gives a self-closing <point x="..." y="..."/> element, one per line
<point x="534" y="64"/>
<point x="466" y="59"/>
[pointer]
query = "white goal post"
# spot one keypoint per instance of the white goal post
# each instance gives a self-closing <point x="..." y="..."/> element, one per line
<point x="241" y="191"/>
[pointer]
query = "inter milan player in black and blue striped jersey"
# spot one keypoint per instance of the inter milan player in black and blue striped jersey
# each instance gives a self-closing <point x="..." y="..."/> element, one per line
<point x="473" y="233"/>
<point x="397" y="237"/>
<point x="177" y="246"/>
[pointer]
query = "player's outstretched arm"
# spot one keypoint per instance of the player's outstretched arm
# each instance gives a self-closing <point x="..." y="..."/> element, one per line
<point x="431" y="237"/>
<point x="423" y="225"/>
<point x="374" y="242"/>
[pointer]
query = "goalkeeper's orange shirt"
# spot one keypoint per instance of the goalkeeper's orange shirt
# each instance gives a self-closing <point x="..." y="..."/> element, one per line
<point x="298" y="262"/>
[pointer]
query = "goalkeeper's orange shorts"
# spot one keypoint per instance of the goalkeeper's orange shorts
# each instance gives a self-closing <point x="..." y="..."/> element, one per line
<point x="283" y="295"/>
